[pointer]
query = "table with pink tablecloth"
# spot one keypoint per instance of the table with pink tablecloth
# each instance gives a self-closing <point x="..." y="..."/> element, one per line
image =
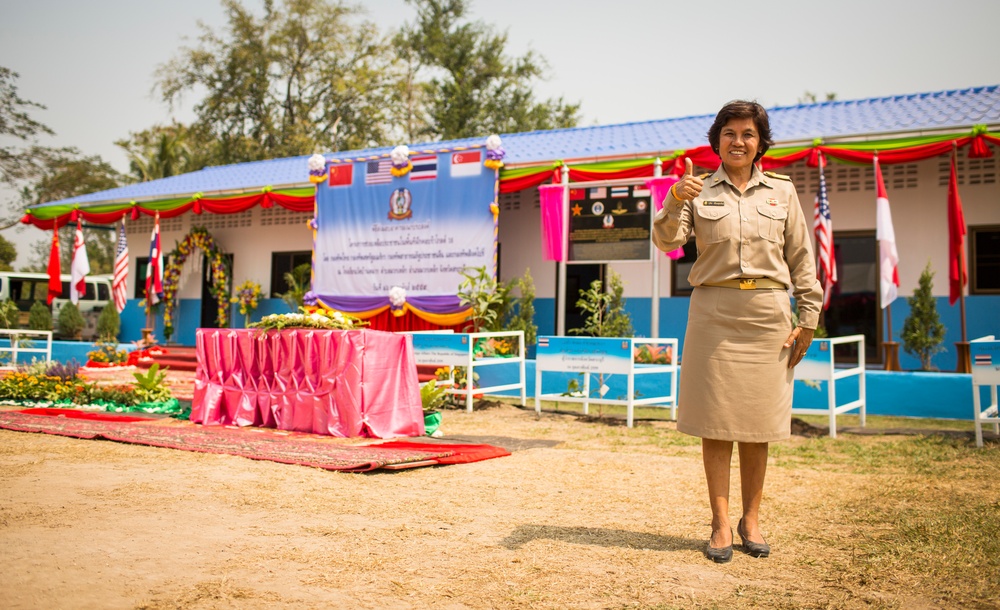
<point x="339" y="382"/>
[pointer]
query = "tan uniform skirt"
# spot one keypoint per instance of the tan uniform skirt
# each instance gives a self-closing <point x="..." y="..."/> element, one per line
<point x="735" y="382"/>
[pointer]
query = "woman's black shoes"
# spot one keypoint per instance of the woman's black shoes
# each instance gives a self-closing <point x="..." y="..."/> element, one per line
<point x="723" y="555"/>
<point x="753" y="549"/>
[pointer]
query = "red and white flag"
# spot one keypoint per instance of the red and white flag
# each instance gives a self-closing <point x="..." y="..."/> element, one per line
<point x="154" y="269"/>
<point x="120" y="277"/>
<point x="957" y="273"/>
<point x="466" y="164"/>
<point x="80" y="266"/>
<point x="888" y="257"/>
<point x="823" y="225"/>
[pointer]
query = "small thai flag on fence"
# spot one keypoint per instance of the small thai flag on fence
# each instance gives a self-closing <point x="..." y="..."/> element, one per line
<point x="982" y="360"/>
<point x="543" y="342"/>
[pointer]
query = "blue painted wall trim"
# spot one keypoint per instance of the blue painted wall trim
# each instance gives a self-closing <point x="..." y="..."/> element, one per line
<point x="927" y="395"/>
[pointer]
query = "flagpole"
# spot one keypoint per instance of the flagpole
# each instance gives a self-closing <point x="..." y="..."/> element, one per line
<point x="963" y="359"/>
<point x="890" y="347"/>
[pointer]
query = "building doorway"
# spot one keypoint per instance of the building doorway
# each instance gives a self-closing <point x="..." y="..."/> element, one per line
<point x="579" y="277"/>
<point x="209" y="304"/>
<point x="854" y="307"/>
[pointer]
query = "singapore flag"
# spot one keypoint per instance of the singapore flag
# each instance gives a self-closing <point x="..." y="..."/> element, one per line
<point x="466" y="164"/>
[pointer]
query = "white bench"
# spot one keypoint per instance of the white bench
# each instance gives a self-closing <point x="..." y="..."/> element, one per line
<point x="603" y="356"/>
<point x="818" y="365"/>
<point x="459" y="349"/>
<point x="984" y="354"/>
<point x="14" y="347"/>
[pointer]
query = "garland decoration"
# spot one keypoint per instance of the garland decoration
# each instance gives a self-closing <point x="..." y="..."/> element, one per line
<point x="199" y="238"/>
<point x="494" y="152"/>
<point x="401" y="164"/>
<point x="317" y="168"/>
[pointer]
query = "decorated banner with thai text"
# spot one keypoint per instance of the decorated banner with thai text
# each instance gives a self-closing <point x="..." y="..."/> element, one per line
<point x="376" y="231"/>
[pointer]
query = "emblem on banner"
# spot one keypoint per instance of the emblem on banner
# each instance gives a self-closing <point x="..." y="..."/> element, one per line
<point x="399" y="204"/>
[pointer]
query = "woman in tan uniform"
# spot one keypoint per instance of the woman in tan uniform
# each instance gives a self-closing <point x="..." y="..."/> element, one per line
<point x="736" y="373"/>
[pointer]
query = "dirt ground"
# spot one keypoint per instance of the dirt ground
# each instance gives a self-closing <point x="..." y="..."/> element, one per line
<point x="581" y="515"/>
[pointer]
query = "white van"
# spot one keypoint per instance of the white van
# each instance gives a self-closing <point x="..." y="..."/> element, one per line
<point x="26" y="288"/>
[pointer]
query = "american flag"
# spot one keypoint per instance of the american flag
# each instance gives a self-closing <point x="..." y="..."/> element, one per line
<point x="120" y="277"/>
<point x="378" y="172"/>
<point x="824" y="239"/>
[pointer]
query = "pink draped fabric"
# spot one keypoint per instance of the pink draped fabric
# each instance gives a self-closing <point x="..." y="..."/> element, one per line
<point x="659" y="187"/>
<point x="340" y="383"/>
<point x="551" y="198"/>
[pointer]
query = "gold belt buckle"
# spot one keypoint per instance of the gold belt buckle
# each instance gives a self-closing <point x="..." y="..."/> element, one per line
<point x="748" y="284"/>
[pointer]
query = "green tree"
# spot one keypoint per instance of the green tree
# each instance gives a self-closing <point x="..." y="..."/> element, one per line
<point x="20" y="153"/>
<point x="306" y="76"/>
<point x="605" y="309"/>
<point x="8" y="254"/>
<point x="471" y="88"/>
<point x="67" y="173"/>
<point x="923" y="331"/>
<point x="162" y="151"/>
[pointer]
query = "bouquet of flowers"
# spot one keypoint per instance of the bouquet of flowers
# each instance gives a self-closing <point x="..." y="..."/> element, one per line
<point x="247" y="295"/>
<point x="306" y="319"/>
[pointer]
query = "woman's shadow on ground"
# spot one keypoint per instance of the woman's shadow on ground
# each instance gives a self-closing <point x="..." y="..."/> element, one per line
<point x="599" y="536"/>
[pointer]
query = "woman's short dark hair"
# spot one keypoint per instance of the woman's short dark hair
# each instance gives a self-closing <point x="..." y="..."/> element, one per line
<point x="741" y="109"/>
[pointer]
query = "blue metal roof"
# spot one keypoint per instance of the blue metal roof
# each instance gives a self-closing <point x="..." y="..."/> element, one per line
<point x="884" y="116"/>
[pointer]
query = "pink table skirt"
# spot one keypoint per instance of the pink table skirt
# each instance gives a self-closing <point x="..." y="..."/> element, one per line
<point x="338" y="382"/>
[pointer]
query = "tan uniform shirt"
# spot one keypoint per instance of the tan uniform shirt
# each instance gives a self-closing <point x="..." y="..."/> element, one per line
<point x="759" y="233"/>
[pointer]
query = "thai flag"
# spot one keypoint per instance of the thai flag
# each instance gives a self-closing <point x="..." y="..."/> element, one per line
<point x="619" y="191"/>
<point x="154" y="268"/>
<point x="982" y="360"/>
<point x="424" y="167"/>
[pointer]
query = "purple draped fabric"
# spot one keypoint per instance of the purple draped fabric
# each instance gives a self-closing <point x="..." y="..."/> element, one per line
<point x="429" y="304"/>
<point x="551" y="199"/>
<point x="335" y="382"/>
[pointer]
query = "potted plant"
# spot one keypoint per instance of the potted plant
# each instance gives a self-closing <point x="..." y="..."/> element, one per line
<point x="432" y="398"/>
<point x="39" y="316"/>
<point x="247" y="295"/>
<point x="71" y="321"/>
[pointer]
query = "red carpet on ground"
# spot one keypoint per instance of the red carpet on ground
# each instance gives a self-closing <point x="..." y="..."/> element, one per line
<point x="461" y="453"/>
<point x="77" y="414"/>
<point x="254" y="443"/>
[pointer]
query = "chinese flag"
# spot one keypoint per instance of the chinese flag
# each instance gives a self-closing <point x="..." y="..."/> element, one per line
<point x="341" y="175"/>
<point x="55" y="282"/>
<point x="957" y="275"/>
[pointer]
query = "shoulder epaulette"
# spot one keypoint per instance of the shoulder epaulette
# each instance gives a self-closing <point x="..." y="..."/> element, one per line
<point x="778" y="176"/>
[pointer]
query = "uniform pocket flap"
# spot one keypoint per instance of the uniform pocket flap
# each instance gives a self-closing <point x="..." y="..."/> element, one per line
<point x="712" y="213"/>
<point x="773" y="212"/>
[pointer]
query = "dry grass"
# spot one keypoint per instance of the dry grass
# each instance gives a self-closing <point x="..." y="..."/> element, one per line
<point x="603" y="517"/>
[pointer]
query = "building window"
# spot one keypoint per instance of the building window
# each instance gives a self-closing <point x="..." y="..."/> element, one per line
<point x="985" y="267"/>
<point x="681" y="268"/>
<point x="285" y="262"/>
<point x="140" y="277"/>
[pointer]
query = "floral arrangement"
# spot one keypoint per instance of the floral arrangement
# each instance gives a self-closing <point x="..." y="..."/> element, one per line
<point x="199" y="238"/>
<point x="317" y="168"/>
<point x="35" y="386"/>
<point x="653" y="354"/>
<point x="495" y="347"/>
<point x="397" y="298"/>
<point x="494" y="152"/>
<point x="401" y="164"/>
<point x="248" y="296"/>
<point x="309" y="319"/>
<point x="107" y="352"/>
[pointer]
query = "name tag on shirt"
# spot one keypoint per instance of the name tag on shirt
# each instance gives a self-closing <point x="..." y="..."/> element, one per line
<point x="715" y="203"/>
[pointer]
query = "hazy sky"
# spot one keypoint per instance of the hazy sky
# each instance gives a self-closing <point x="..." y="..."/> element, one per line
<point x="92" y="62"/>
